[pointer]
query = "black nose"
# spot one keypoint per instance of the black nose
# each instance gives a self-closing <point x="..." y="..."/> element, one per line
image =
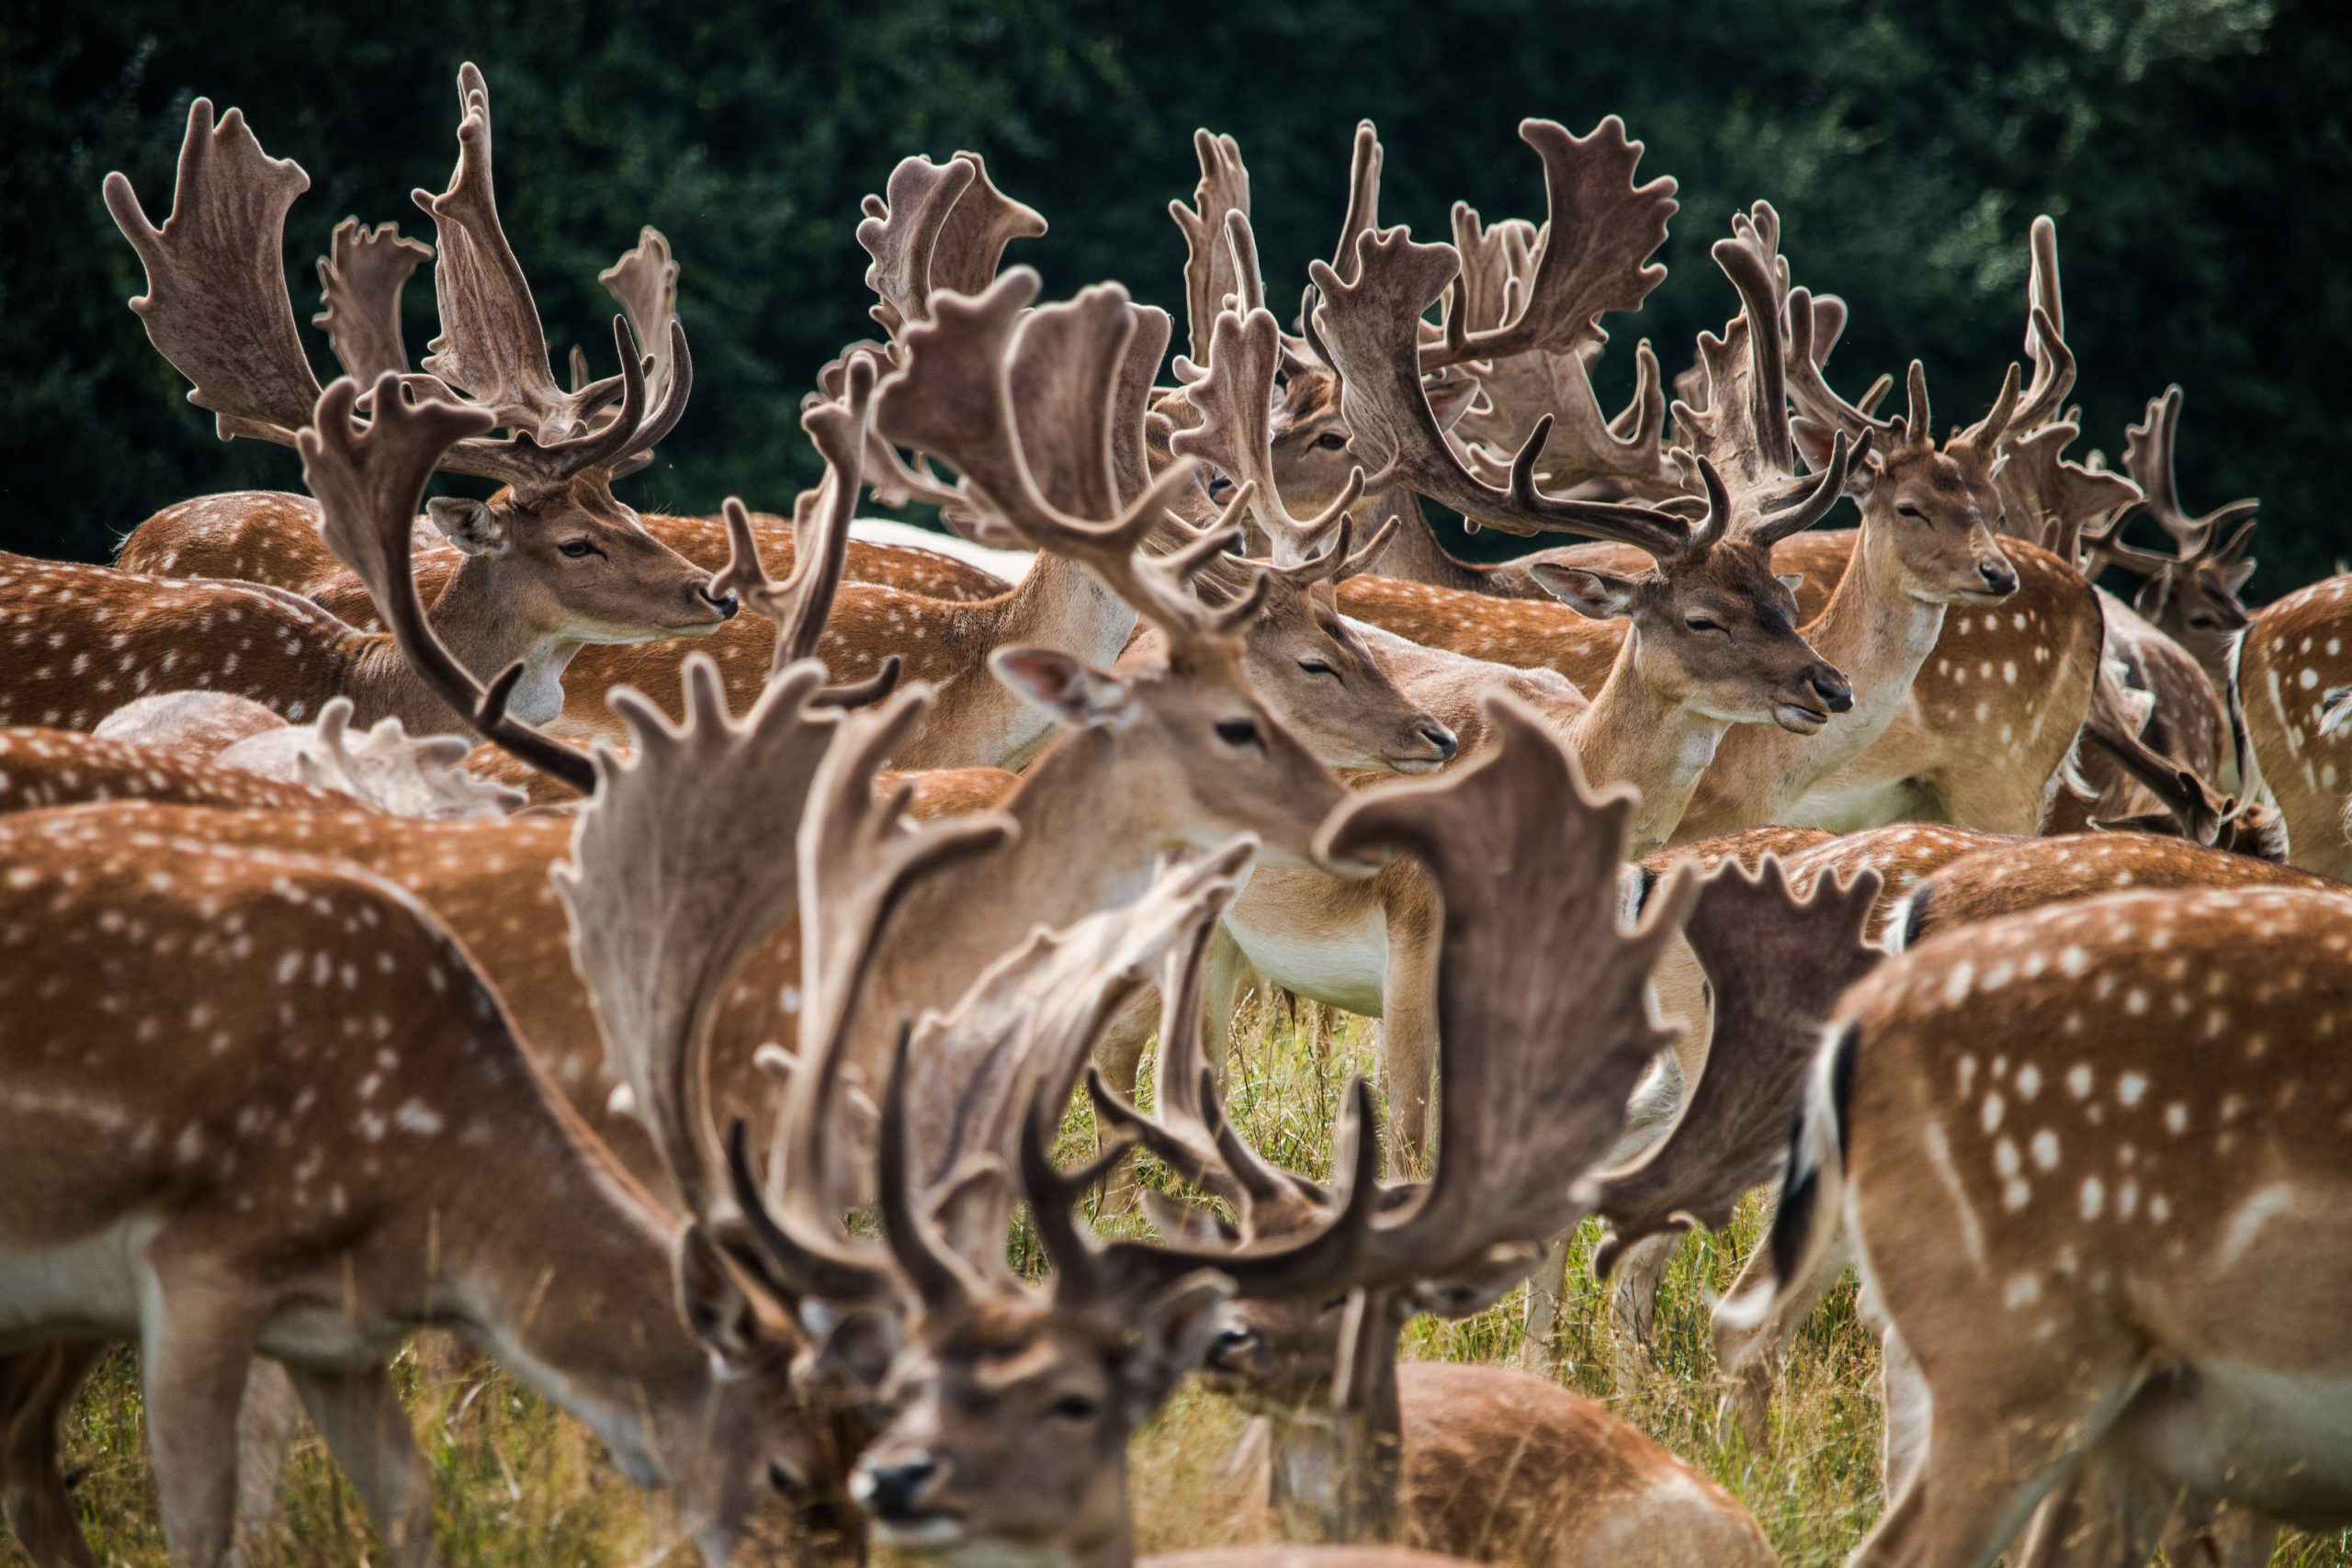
<point x="1834" y="691"/>
<point x="1443" y="738"/>
<point x="723" y="603"/>
<point x="896" y="1489"/>
<point x="1998" y="579"/>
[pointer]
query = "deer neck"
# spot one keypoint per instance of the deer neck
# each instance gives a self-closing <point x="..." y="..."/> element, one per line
<point x="1414" y="554"/>
<point x="1878" y="632"/>
<point x="478" y="625"/>
<point x="596" y="1331"/>
<point x="1336" y="1470"/>
<point x="1640" y="731"/>
<point x="1062" y="605"/>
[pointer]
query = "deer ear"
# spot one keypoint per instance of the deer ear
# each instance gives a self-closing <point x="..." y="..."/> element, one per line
<point x="1077" y="697"/>
<point x="2234" y="576"/>
<point x="1814" y="444"/>
<point x="1792" y="580"/>
<point x="467" y="523"/>
<point x="851" y="1354"/>
<point x="1172" y="1332"/>
<point x="1601" y="595"/>
<point x="715" y="1304"/>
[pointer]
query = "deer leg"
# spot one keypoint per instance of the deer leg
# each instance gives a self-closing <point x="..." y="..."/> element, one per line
<point x="35" y="1389"/>
<point x="268" y="1421"/>
<point x="369" y="1433"/>
<point x="1547" y="1287"/>
<point x="1632" y="1300"/>
<point x="1408" y="1019"/>
<point x="1750" y="1361"/>
<point x="195" y="1345"/>
<point x="1225" y="974"/>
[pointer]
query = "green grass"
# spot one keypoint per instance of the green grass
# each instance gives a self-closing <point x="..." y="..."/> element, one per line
<point x="518" y="1482"/>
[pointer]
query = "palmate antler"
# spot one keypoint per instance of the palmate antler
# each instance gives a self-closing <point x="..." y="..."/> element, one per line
<point x="2054" y="502"/>
<point x="941" y="227"/>
<point x="2220" y="537"/>
<point x="953" y="397"/>
<point x="217" y="308"/>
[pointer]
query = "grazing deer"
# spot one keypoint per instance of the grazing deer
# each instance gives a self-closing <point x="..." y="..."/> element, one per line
<point x="2078" y="1170"/>
<point x="2195" y="594"/>
<point x="552" y="564"/>
<point x="316" y="1159"/>
<point x="1470" y="1459"/>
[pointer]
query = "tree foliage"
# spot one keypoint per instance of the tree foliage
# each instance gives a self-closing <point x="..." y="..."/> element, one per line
<point x="2195" y="153"/>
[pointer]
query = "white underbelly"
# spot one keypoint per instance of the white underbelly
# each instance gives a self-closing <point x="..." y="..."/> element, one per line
<point x="2279" y="1442"/>
<point x="91" y="1287"/>
<point x="1342" y="965"/>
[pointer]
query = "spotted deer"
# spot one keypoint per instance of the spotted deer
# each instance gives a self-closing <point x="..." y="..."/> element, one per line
<point x="2195" y="594"/>
<point x="2284" y="667"/>
<point x="2076" y="1166"/>
<point x="553" y="565"/>
<point x="322" y="1163"/>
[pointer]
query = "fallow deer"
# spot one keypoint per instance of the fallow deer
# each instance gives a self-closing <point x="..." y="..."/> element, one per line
<point x="2195" y="594"/>
<point x="2291" y="656"/>
<point x="553" y="564"/>
<point x="321" y="1164"/>
<point x="2092" y="1199"/>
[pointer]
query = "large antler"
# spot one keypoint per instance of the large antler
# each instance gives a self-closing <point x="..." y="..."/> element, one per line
<point x="2045" y="338"/>
<point x="1777" y="957"/>
<point x="1593" y="254"/>
<point x="954" y="397"/>
<point x="360" y="281"/>
<point x="941" y="228"/>
<point x="2051" y="502"/>
<point x="369" y="480"/>
<point x="1367" y="329"/>
<point x="2148" y="458"/>
<point x="216" y="304"/>
<point x="492" y="348"/>
<point x="1211" y="267"/>
<point x="1235" y="395"/>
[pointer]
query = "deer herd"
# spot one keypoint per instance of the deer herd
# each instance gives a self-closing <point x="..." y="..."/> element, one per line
<point x="532" y="920"/>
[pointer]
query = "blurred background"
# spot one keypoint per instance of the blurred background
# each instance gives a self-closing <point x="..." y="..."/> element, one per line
<point x="2197" y="155"/>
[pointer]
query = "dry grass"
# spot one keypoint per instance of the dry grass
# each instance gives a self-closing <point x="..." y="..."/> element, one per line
<point x="518" y="1484"/>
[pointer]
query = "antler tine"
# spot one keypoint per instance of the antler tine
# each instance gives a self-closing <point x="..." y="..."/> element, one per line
<point x="1212" y="269"/>
<point x="1811" y="392"/>
<point x="678" y="867"/>
<point x="1601" y="231"/>
<point x="1363" y="199"/>
<point x="2045" y="338"/>
<point x="1368" y="329"/>
<point x="370" y="480"/>
<point x="645" y="282"/>
<point x="2148" y="457"/>
<point x="1584" y="443"/>
<point x="1235" y="396"/>
<point x="983" y="221"/>
<point x="1522" y="1115"/>
<point x="801" y="604"/>
<point x="216" y="305"/>
<point x="360" y="281"/>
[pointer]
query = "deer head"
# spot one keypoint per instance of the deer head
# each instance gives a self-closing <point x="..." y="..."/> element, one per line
<point x="553" y="549"/>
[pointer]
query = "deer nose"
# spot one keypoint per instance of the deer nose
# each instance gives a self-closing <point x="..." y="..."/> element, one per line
<point x="894" y="1491"/>
<point x="1442" y="738"/>
<point x="1833" y="690"/>
<point x="725" y="603"/>
<point x="2000" y="577"/>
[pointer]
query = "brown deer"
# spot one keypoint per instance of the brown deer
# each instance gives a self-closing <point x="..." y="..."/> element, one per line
<point x="554" y="563"/>
<point x="2291" y="658"/>
<point x="2078" y="1171"/>
<point x="2194" y="595"/>
<point x="321" y="1164"/>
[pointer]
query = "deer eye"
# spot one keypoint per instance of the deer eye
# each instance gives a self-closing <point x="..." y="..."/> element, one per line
<point x="1074" y="1407"/>
<point x="1316" y="667"/>
<point x="1904" y="508"/>
<point x="784" y="1482"/>
<point x="579" y="549"/>
<point x="1701" y="623"/>
<point x="1331" y="441"/>
<point x="1240" y="732"/>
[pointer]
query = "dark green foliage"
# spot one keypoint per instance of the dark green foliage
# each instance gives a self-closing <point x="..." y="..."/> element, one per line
<point x="2195" y="151"/>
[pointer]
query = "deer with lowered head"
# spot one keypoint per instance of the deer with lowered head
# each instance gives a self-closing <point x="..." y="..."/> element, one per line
<point x="553" y="563"/>
<point x="1476" y="1461"/>
<point x="317" y="1154"/>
